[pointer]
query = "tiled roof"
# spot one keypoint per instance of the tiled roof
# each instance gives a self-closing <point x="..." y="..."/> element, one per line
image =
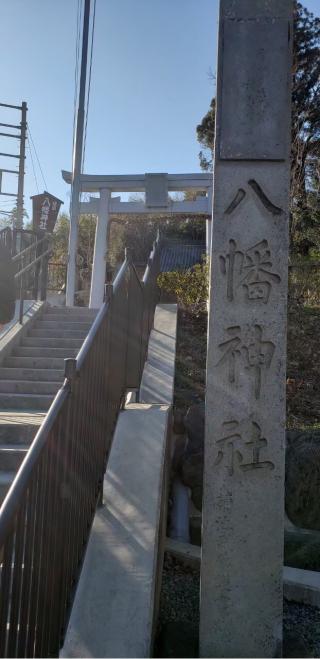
<point x="181" y="256"/>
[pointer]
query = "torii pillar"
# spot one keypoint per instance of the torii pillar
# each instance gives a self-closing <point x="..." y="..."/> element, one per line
<point x="243" y="508"/>
<point x="100" y="250"/>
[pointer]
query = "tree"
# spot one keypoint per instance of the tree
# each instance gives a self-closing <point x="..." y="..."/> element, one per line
<point x="10" y="219"/>
<point x="205" y="135"/>
<point x="86" y="237"/>
<point x="305" y="167"/>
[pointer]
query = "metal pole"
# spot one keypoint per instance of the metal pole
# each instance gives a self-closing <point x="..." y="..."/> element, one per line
<point x="23" y="124"/>
<point x="76" y="165"/>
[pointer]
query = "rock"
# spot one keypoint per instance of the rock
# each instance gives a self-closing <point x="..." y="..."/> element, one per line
<point x="196" y="496"/>
<point x="180" y="443"/>
<point x="178" y="423"/>
<point x="194" y="423"/>
<point x="195" y="530"/>
<point x="295" y="646"/>
<point x="192" y="469"/>
<point x="178" y="639"/>
<point x="302" y="487"/>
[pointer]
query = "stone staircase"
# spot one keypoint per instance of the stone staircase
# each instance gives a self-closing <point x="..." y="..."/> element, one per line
<point x="30" y="378"/>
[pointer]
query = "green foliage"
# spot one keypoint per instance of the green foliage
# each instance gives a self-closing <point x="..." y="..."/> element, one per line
<point x="86" y="237"/>
<point x="138" y="233"/>
<point x="205" y="135"/>
<point x="11" y="220"/>
<point x="304" y="282"/>
<point x="305" y="151"/>
<point x="191" y="286"/>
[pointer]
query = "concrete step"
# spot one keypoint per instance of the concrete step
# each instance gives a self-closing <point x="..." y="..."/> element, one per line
<point x="44" y="333"/>
<point x="76" y="315"/>
<point x="11" y="456"/>
<point x="35" y="342"/>
<point x="71" y="311"/>
<point x="25" y="401"/>
<point x="34" y="374"/>
<point x="36" y="352"/>
<point x="28" y="387"/>
<point x="56" y="363"/>
<point x="60" y="318"/>
<point x="19" y="428"/>
<point x="6" y="478"/>
<point x="62" y="325"/>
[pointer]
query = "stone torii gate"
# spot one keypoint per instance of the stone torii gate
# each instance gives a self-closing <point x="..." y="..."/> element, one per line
<point x="156" y="188"/>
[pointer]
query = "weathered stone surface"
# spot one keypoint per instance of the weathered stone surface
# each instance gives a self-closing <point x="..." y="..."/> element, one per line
<point x="302" y="491"/>
<point x="255" y="131"/>
<point x="242" y="535"/>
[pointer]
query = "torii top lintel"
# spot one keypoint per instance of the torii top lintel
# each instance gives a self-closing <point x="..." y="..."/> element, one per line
<point x="137" y="182"/>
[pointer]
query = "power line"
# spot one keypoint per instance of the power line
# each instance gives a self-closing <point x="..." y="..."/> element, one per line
<point x="33" y="168"/>
<point x="35" y="151"/>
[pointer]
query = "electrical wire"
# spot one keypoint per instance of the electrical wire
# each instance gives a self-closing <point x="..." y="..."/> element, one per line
<point x="33" y="168"/>
<point x="35" y="151"/>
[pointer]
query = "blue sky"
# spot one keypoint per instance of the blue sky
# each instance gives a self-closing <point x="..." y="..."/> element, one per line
<point x="150" y="84"/>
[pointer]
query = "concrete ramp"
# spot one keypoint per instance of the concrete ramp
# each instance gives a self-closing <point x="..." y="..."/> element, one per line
<point x="115" y="607"/>
<point x="116" y="600"/>
<point x="158" y="375"/>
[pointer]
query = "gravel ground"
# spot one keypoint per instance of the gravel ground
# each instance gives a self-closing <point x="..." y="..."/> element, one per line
<point x="179" y="611"/>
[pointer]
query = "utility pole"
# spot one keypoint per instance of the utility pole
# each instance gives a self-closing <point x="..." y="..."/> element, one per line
<point x="22" y="128"/>
<point x="23" y="132"/>
<point x="76" y="164"/>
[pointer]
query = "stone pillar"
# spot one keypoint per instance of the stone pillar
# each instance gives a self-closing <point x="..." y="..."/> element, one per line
<point x="209" y="224"/>
<point x="242" y="551"/>
<point x="100" y="249"/>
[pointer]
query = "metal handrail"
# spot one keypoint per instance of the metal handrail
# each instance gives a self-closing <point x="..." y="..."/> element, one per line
<point x="35" y="245"/>
<point x="90" y="337"/>
<point x="32" y="264"/>
<point x="19" y="484"/>
<point x="47" y="514"/>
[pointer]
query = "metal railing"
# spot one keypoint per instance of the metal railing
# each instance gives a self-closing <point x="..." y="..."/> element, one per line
<point x="31" y="265"/>
<point x="57" y="276"/>
<point x="30" y="253"/>
<point x="16" y="240"/>
<point x="6" y="238"/>
<point x="46" y="517"/>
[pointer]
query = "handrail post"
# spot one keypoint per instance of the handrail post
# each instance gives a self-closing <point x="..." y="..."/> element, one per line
<point x="108" y="291"/>
<point x="21" y="301"/>
<point x="70" y="367"/>
<point x="37" y="271"/>
<point x="44" y="272"/>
